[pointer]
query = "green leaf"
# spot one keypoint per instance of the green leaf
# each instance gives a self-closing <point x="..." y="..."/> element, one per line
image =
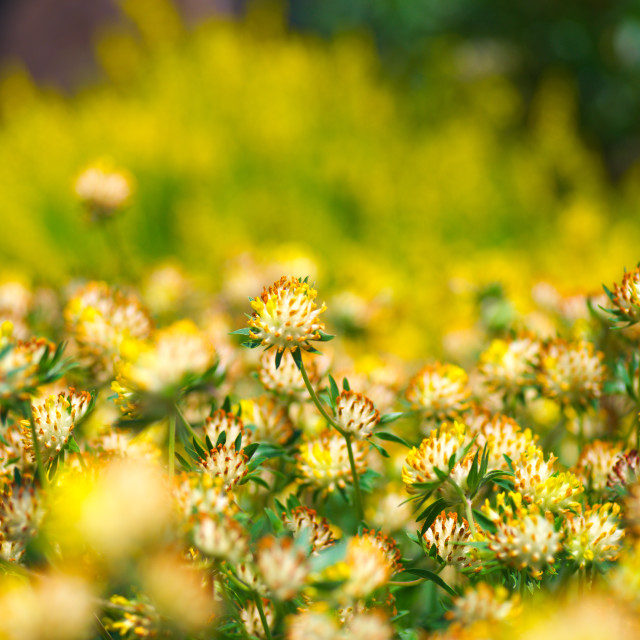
<point x="345" y="384"/>
<point x="226" y="405"/>
<point x="391" y="437"/>
<point x="183" y="463"/>
<point x="432" y="577"/>
<point x="391" y="417"/>
<point x="279" y="355"/>
<point x="198" y="449"/>
<point x="237" y="445"/>
<point x="379" y="449"/>
<point x="296" y="354"/>
<point x="250" y="449"/>
<point x="334" y="392"/>
<point x="431" y="513"/>
<point x="325" y="337"/>
<point x="483" y="521"/>
<point x="240" y="332"/>
<point x="73" y="445"/>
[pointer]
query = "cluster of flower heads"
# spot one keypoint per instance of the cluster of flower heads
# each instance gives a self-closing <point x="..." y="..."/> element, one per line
<point x="159" y="480"/>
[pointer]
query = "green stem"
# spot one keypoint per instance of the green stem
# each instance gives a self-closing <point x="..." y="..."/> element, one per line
<point x="36" y="450"/>
<point x="410" y="583"/>
<point x="172" y="444"/>
<point x="263" y="618"/>
<point x="188" y="427"/>
<point x="469" y="512"/>
<point x="346" y="436"/>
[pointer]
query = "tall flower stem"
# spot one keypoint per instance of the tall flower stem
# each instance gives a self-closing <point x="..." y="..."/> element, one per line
<point x="42" y="474"/>
<point x="263" y="618"/>
<point x="325" y="414"/>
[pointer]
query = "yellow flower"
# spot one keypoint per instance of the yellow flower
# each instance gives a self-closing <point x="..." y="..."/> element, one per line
<point x="303" y="519"/>
<point x="324" y="460"/>
<point x="571" y="372"/>
<point x="508" y="365"/>
<point x="356" y="414"/>
<point x="286" y="316"/>
<point x="625" y="297"/>
<point x="525" y="538"/>
<point x="103" y="190"/>
<point x="594" y="535"/>
<point x="54" y="419"/>
<point x="434" y="452"/>
<point x="439" y="392"/>
<point x="597" y="460"/>
<point x="446" y="535"/>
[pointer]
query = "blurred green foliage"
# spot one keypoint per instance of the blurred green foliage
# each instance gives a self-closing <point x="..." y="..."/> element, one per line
<point x="594" y="43"/>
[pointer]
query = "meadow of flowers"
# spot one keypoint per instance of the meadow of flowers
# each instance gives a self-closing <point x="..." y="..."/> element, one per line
<point x="324" y="360"/>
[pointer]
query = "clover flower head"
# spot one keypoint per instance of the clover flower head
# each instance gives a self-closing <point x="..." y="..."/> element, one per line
<point x="368" y="625"/>
<point x="367" y="567"/>
<point x="356" y="414"/>
<point x="269" y="418"/>
<point x="323" y="460"/>
<point x="597" y="460"/>
<point x="483" y="603"/>
<point x="386" y="544"/>
<point x="54" y="419"/>
<point x="103" y="190"/>
<point x="285" y="380"/>
<point x="536" y="481"/>
<point x="283" y="567"/>
<point x="571" y="372"/>
<point x="286" y="316"/>
<point x="21" y="513"/>
<point x="625" y="297"/>
<point x="503" y="436"/>
<point x="224" y="461"/>
<point x="303" y="519"/>
<point x="250" y="618"/>
<point x="20" y="364"/>
<point x="594" y="535"/>
<point x="525" y="538"/>
<point x="626" y="469"/>
<point x="247" y="571"/>
<point x="101" y="319"/>
<point x="162" y="364"/>
<point x="446" y="536"/>
<point x="229" y="423"/>
<point x="439" y="391"/>
<point x="312" y="625"/>
<point x="220" y="536"/>
<point x="508" y="365"/>
<point x="200" y="493"/>
<point x="434" y="452"/>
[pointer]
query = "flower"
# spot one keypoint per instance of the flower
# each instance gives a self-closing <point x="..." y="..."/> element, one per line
<point x="597" y="460"/>
<point x="250" y="617"/>
<point x="446" y="536"/>
<point x="166" y="362"/>
<point x="434" y="452"/>
<point x="483" y="603"/>
<point x="19" y="366"/>
<point x="286" y="316"/>
<point x="103" y="190"/>
<point x="231" y="425"/>
<point x="571" y="372"/>
<point x="439" y="392"/>
<point x="626" y="469"/>
<point x="101" y="319"/>
<point x="387" y="545"/>
<point x="509" y="365"/>
<point x="220" y="536"/>
<point x="536" y="481"/>
<point x="625" y="297"/>
<point x="503" y="436"/>
<point x="54" y="419"/>
<point x="283" y="566"/>
<point x="269" y="419"/>
<point x="355" y="414"/>
<point x="225" y="462"/>
<point x="285" y="380"/>
<point x="312" y="625"/>
<point x="303" y="519"/>
<point x="367" y="566"/>
<point x="200" y="493"/>
<point x="524" y="537"/>
<point x="20" y="513"/>
<point x="323" y="460"/>
<point x="368" y="625"/>
<point x="594" y="535"/>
